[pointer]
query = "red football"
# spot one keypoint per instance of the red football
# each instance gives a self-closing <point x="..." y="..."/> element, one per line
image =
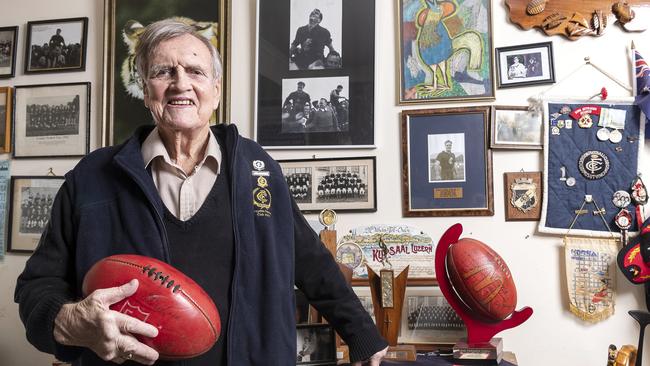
<point x="481" y="279"/>
<point x="187" y="320"/>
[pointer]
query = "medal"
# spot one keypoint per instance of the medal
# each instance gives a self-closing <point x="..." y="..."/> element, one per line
<point x="570" y="182"/>
<point x="624" y="221"/>
<point x="615" y="136"/>
<point x="603" y="134"/>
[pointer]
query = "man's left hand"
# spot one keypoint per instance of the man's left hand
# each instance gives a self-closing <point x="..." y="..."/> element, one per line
<point x="375" y="360"/>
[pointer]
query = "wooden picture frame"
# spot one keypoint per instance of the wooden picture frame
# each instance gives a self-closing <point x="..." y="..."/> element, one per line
<point x="124" y="108"/>
<point x="51" y="120"/>
<point x="8" y="48"/>
<point x="31" y="199"/>
<point x="56" y="45"/>
<point x="525" y="65"/>
<point x="516" y="127"/>
<point x="5" y="118"/>
<point x="322" y="97"/>
<point x="523" y="192"/>
<point x="316" y="344"/>
<point x="446" y="163"/>
<point x="445" y="51"/>
<point x="340" y="184"/>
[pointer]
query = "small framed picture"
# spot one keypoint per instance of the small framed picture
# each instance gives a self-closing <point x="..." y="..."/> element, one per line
<point x="316" y="344"/>
<point x="340" y="184"/>
<point x="56" y="45"/>
<point x="446" y="163"/>
<point x="8" y="37"/>
<point x="524" y="65"/>
<point x="29" y="210"/>
<point x="515" y="127"/>
<point x="51" y="120"/>
<point x="5" y="119"/>
<point x="523" y="196"/>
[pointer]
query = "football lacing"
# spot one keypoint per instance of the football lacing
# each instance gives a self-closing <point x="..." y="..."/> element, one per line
<point x="160" y="276"/>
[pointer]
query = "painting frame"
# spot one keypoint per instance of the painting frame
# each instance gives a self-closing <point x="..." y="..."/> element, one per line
<point x="521" y="134"/>
<point x="6" y="115"/>
<point x="33" y="137"/>
<point x="325" y="348"/>
<point x="469" y="25"/>
<point x="10" y="33"/>
<point x="35" y="62"/>
<point x="522" y="195"/>
<point x="362" y="168"/>
<point x="23" y="233"/>
<point x="508" y="74"/>
<point x="338" y="110"/>
<point x="437" y="187"/>
<point x="118" y="119"/>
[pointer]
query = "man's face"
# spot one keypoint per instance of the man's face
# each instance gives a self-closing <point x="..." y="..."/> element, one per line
<point x="179" y="89"/>
<point x="300" y="86"/>
<point x="314" y="18"/>
<point x="516" y="60"/>
<point x="448" y="146"/>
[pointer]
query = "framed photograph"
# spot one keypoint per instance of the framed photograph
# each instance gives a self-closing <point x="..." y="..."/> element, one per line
<point x="523" y="65"/>
<point x="124" y="108"/>
<point x="56" y="45"/>
<point x="523" y="196"/>
<point x="315" y="74"/>
<point x="515" y="127"/>
<point x="341" y="184"/>
<point x="5" y="119"/>
<point x="8" y="37"/>
<point x="446" y="163"/>
<point x="29" y="210"/>
<point x="316" y="344"/>
<point x="445" y="51"/>
<point x="51" y="120"/>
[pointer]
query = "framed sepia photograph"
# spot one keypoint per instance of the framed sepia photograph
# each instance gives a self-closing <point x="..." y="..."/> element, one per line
<point x="316" y="344"/>
<point x="51" y="120"/>
<point x="445" y="51"/>
<point x="340" y="184"/>
<point x="5" y="119"/>
<point x="523" y="65"/>
<point x="523" y="196"/>
<point x="8" y="38"/>
<point x="516" y="127"/>
<point x="315" y="74"/>
<point x="29" y="210"/>
<point x="56" y="45"/>
<point x="124" y="20"/>
<point x="446" y="163"/>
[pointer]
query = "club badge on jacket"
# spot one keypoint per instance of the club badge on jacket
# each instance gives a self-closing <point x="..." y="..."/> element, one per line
<point x="261" y="194"/>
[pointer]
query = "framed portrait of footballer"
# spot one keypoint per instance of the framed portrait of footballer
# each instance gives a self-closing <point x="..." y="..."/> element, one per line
<point x="515" y="127"/>
<point x="315" y="71"/>
<point x="124" y="20"/>
<point x="5" y="119"/>
<point x="8" y="37"/>
<point x="51" y="120"/>
<point x="523" y="196"/>
<point x="523" y="65"/>
<point x="446" y="163"/>
<point x="340" y="184"/>
<point x="31" y="199"/>
<point x="56" y="45"/>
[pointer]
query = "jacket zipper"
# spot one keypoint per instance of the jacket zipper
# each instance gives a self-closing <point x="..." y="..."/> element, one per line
<point x="233" y="287"/>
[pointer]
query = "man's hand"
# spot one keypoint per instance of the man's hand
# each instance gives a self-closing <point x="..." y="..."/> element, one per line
<point x="375" y="360"/>
<point x="91" y="323"/>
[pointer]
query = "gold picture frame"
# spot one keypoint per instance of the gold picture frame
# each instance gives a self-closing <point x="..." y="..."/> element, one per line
<point x="5" y="118"/>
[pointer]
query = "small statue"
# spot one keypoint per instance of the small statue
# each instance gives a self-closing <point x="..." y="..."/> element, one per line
<point x="384" y="248"/>
<point x="611" y="355"/>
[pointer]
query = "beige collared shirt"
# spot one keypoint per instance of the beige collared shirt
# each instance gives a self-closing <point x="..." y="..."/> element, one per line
<point x="182" y="194"/>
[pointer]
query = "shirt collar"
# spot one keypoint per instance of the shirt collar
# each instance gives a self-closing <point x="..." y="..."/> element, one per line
<point x="153" y="147"/>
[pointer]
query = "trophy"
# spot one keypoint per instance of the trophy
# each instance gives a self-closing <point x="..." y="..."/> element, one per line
<point x="483" y="277"/>
<point x="387" y="292"/>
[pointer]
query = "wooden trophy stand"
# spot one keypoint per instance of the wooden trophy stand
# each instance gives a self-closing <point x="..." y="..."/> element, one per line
<point x="387" y="292"/>
<point x="479" y="348"/>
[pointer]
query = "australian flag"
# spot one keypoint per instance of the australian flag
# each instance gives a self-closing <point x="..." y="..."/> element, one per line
<point x="642" y="72"/>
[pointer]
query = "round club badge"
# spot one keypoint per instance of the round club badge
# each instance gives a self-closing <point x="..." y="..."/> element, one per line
<point x="350" y="254"/>
<point x="593" y="164"/>
<point x="621" y="199"/>
<point x="603" y="134"/>
<point x="615" y="136"/>
<point x="570" y="182"/>
<point x="327" y="217"/>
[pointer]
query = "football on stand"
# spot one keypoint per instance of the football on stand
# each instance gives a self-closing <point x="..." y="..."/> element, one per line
<point x="187" y="320"/>
<point x="481" y="279"/>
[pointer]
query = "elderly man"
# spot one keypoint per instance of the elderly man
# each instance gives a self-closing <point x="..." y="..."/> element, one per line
<point x="182" y="192"/>
<point x="309" y="43"/>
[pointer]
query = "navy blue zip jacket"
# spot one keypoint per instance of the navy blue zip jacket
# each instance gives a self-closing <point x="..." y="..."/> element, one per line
<point x="109" y="205"/>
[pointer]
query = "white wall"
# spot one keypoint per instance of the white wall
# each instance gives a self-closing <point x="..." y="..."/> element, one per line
<point x="551" y="336"/>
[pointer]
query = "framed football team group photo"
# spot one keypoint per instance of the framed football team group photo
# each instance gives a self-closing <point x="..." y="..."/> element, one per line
<point x="56" y="45"/>
<point x="315" y="74"/>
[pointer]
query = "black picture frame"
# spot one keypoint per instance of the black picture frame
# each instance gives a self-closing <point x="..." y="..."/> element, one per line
<point x="31" y="199"/>
<point x="536" y="68"/>
<point x="316" y="344"/>
<point x="314" y="183"/>
<point x="343" y="120"/>
<point x="51" y="120"/>
<point x="68" y="38"/>
<point x="8" y="39"/>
